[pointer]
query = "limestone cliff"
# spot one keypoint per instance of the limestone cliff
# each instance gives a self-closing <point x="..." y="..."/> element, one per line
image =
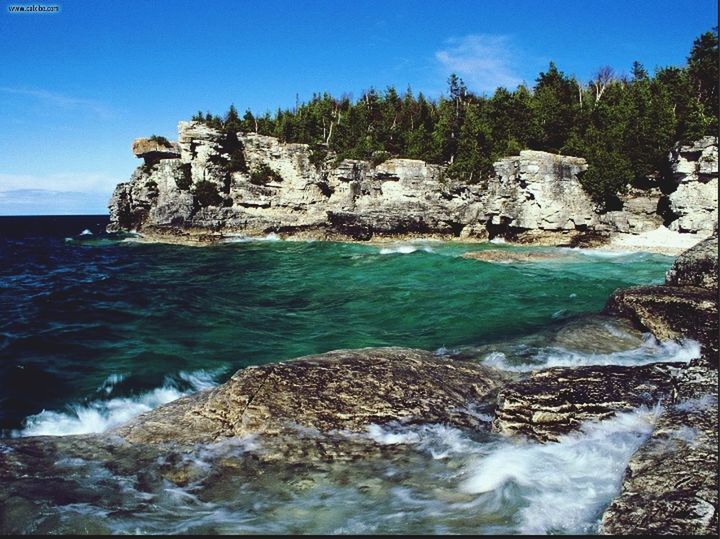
<point x="210" y="182"/>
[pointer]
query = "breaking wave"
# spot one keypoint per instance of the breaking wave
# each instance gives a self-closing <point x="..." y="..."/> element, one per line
<point x="650" y="351"/>
<point x="102" y="415"/>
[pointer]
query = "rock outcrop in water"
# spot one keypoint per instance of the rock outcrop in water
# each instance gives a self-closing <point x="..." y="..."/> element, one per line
<point x="685" y="307"/>
<point x="553" y="402"/>
<point x="210" y="182"/>
<point x="342" y="390"/>
<point x="671" y="484"/>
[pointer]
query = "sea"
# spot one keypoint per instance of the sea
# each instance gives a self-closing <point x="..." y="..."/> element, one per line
<point x="98" y="328"/>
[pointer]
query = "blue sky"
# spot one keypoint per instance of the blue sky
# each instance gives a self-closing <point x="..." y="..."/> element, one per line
<point x="78" y="86"/>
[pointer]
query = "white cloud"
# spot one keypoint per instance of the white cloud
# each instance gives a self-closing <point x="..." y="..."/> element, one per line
<point x="54" y="99"/>
<point x="44" y="202"/>
<point x="67" y="181"/>
<point x="483" y="61"/>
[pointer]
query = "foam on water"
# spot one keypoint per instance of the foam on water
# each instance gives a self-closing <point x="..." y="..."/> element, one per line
<point x="563" y="486"/>
<point x="650" y="351"/>
<point x="239" y="238"/>
<point x="405" y="249"/>
<point x="86" y="232"/>
<point x="102" y="415"/>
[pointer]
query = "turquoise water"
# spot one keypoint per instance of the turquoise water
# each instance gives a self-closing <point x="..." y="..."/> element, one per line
<point x="90" y="317"/>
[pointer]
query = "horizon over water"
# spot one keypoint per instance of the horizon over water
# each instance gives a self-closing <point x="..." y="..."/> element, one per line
<point x="97" y="328"/>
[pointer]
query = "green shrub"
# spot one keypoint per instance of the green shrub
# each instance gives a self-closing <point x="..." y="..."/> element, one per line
<point x="152" y="188"/>
<point x="160" y="140"/>
<point x="318" y="154"/>
<point x="263" y="175"/>
<point x="379" y="157"/>
<point x="185" y="181"/>
<point x="206" y="194"/>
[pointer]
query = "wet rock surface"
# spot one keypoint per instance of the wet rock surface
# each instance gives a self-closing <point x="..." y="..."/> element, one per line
<point x="514" y="256"/>
<point x="282" y="422"/>
<point x="671" y="483"/>
<point x="553" y="402"/>
<point x="341" y="390"/>
<point x="685" y="307"/>
<point x="671" y="312"/>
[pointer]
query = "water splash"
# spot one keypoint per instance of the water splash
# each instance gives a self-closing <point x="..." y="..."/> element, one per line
<point x="650" y="351"/>
<point x="104" y="414"/>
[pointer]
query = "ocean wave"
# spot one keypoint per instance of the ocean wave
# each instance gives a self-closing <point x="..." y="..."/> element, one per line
<point x="650" y="351"/>
<point x="104" y="414"/>
<point x="85" y="232"/>
<point x="239" y="238"/>
<point x="405" y="249"/>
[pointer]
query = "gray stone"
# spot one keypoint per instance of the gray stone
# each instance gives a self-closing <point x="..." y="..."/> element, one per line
<point x="694" y="202"/>
<point x="697" y="266"/>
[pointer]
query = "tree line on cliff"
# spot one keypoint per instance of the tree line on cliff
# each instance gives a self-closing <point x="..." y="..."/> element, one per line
<point x="623" y="125"/>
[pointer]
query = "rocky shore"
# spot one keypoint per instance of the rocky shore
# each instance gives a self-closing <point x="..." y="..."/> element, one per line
<point x="316" y="409"/>
<point x="210" y="184"/>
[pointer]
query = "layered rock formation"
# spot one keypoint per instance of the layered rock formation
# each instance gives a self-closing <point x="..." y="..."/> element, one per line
<point x="341" y="390"/>
<point x="536" y="194"/>
<point x="694" y="202"/>
<point x="351" y="199"/>
<point x="211" y="182"/>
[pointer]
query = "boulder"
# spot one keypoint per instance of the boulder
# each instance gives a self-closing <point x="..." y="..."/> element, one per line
<point x="342" y="390"/>
<point x="697" y="266"/>
<point x="153" y="150"/>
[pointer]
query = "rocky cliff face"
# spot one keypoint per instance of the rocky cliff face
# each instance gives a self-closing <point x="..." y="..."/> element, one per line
<point x="538" y="192"/>
<point x="212" y="182"/>
<point x="694" y="203"/>
<point x="351" y="199"/>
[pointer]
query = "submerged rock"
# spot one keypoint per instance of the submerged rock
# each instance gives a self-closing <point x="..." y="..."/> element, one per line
<point x="503" y="255"/>
<point x="341" y="390"/>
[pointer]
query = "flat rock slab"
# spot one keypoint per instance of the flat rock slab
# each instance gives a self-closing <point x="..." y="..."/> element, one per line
<point x="556" y="401"/>
<point x="344" y="390"/>
<point x="508" y="256"/>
